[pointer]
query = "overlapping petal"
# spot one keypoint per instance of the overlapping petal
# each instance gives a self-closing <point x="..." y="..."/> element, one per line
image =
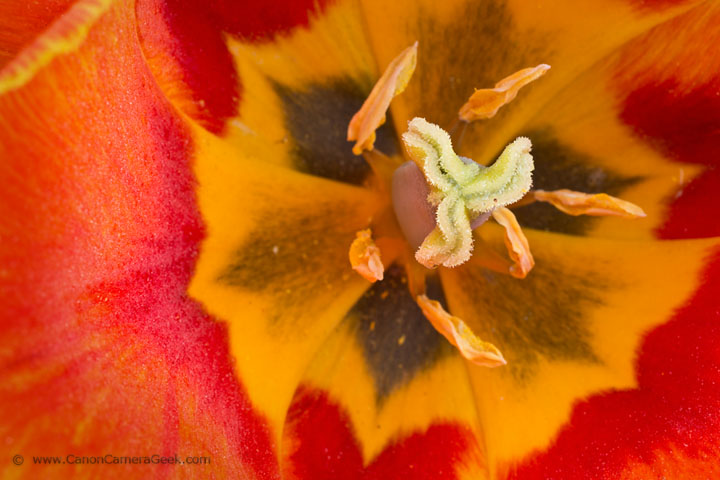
<point x="643" y="123"/>
<point x="22" y="22"/>
<point x="669" y="99"/>
<point x="103" y="350"/>
<point x="186" y="45"/>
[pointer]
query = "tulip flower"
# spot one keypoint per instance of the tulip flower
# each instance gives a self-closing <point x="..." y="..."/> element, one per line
<point x="201" y="277"/>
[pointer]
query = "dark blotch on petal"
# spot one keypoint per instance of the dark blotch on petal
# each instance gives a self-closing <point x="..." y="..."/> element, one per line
<point x="475" y="49"/>
<point x="386" y="313"/>
<point x="558" y="166"/>
<point x="544" y="315"/>
<point x="298" y="253"/>
<point x="317" y="118"/>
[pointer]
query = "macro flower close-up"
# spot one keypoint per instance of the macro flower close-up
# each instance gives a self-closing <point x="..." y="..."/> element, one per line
<point x="360" y="239"/>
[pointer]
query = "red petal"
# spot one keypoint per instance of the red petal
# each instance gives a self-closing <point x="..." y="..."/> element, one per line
<point x="261" y="21"/>
<point x="332" y="452"/>
<point x="684" y="124"/>
<point x="188" y="55"/>
<point x="186" y="47"/>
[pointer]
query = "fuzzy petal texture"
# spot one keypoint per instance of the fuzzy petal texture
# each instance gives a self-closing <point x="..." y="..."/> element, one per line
<point x="103" y="350"/>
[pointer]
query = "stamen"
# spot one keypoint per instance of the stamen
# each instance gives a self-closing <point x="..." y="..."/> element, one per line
<point x="578" y="203"/>
<point x="486" y="102"/>
<point x="462" y="190"/>
<point x="516" y="243"/>
<point x="365" y="257"/>
<point x="372" y="113"/>
<point x="460" y="335"/>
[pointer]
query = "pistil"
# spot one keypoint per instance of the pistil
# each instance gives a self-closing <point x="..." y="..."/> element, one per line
<point x="462" y="191"/>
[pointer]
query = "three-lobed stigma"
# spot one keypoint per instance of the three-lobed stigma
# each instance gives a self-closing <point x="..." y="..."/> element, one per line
<point x="462" y="190"/>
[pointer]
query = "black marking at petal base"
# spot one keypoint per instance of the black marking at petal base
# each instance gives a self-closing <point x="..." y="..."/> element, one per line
<point x="543" y="316"/>
<point x="317" y="118"/>
<point x="384" y="315"/>
<point x="299" y="252"/>
<point x="558" y="166"/>
<point x="476" y="48"/>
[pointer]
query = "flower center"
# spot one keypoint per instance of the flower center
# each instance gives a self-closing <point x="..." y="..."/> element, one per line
<point x="438" y="198"/>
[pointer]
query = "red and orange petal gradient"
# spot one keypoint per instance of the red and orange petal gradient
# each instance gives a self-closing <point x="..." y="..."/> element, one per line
<point x="103" y="350"/>
<point x="179" y="199"/>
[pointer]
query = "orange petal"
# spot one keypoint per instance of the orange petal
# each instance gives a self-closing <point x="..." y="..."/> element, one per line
<point x="516" y="243"/>
<point x="578" y="203"/>
<point x="63" y="35"/>
<point x="103" y="230"/>
<point x="459" y="334"/>
<point x="365" y="257"/>
<point x="21" y="22"/>
<point x="372" y="113"/>
<point x="486" y="102"/>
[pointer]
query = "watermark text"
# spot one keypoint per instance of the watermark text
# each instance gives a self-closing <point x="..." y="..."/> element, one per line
<point x="111" y="459"/>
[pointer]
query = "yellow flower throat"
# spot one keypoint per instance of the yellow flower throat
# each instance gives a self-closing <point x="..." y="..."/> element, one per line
<point x="438" y="198"/>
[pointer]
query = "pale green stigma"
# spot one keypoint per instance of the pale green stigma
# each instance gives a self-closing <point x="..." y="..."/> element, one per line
<point x="462" y="190"/>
